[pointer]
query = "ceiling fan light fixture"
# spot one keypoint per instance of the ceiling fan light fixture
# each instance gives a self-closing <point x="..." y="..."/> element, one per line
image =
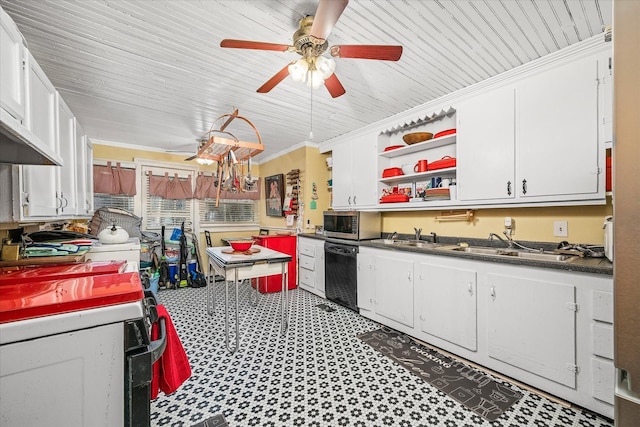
<point x="298" y="70"/>
<point x="315" y="79"/>
<point x="325" y="66"/>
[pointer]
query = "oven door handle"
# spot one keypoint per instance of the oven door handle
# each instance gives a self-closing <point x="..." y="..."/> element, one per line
<point x="156" y="347"/>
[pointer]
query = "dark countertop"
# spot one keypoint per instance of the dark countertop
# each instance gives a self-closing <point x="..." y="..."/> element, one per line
<point x="578" y="264"/>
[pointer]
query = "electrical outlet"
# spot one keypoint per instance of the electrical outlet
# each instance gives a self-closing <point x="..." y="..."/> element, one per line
<point x="560" y="229"/>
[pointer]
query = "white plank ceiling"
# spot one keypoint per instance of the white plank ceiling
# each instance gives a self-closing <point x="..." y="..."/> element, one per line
<point x="152" y="73"/>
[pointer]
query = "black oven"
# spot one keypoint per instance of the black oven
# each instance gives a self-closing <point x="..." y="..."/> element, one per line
<point x="140" y="355"/>
<point x="341" y="274"/>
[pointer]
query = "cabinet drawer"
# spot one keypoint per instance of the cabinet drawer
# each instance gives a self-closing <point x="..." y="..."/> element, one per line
<point x="603" y="380"/>
<point x="307" y="249"/>
<point x="307" y="278"/>
<point x="308" y="263"/>
<point x="603" y="340"/>
<point x="603" y="306"/>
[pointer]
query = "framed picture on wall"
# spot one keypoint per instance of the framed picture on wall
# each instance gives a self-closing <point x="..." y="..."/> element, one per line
<point x="274" y="194"/>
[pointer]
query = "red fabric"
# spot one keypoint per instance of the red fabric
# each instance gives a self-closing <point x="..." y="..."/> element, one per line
<point x="172" y="369"/>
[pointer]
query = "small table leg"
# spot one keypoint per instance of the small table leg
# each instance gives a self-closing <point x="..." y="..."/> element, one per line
<point x="211" y="285"/>
<point x="284" y="299"/>
<point x="226" y="314"/>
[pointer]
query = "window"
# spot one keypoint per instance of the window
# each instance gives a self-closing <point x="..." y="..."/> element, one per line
<point x="158" y="211"/>
<point x="114" y="201"/>
<point x="228" y="212"/>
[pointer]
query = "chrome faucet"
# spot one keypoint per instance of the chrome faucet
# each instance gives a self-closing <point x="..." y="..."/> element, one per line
<point x="434" y="237"/>
<point x="509" y="241"/>
<point x="418" y="231"/>
<point x="393" y="236"/>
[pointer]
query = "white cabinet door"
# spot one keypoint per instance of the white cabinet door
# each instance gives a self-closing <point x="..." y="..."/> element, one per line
<point x="486" y="146"/>
<point x="319" y="268"/>
<point x="341" y="176"/>
<point x="447" y="301"/>
<point x="39" y="183"/>
<point x="88" y="155"/>
<point x="354" y="173"/>
<point x="366" y="282"/>
<point x="68" y="187"/>
<point x="12" y="68"/>
<point x="364" y="164"/>
<point x="557" y="131"/>
<point x="394" y="288"/>
<point x="532" y="325"/>
<point x="84" y="171"/>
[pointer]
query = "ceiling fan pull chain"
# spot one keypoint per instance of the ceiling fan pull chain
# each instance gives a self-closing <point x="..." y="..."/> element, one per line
<point x="311" y="98"/>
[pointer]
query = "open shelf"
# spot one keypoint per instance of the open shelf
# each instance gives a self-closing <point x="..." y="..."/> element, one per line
<point x="420" y="146"/>
<point x="416" y="176"/>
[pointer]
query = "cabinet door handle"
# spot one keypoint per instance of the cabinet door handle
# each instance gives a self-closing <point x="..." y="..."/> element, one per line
<point x="354" y="200"/>
<point x="524" y="186"/>
<point x="349" y="200"/>
<point x="470" y="289"/>
<point x="508" y="188"/>
<point x="492" y="292"/>
<point x="409" y="275"/>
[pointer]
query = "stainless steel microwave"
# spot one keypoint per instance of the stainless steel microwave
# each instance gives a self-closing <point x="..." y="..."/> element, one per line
<point x="352" y="225"/>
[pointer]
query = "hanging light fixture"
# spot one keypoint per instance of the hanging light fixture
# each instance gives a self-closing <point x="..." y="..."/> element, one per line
<point x="203" y="161"/>
<point x="312" y="70"/>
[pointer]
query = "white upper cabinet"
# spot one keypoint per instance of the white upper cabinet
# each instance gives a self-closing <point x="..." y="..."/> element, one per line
<point x="354" y="172"/>
<point x="84" y="168"/>
<point x="68" y="184"/>
<point x="12" y="68"/>
<point x="486" y="149"/>
<point x="39" y="196"/>
<point x="51" y="192"/>
<point x="557" y="132"/>
<point x="536" y="140"/>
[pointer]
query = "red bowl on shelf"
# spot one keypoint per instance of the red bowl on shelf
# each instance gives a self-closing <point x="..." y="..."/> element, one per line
<point x="241" y="245"/>
<point x="444" y="133"/>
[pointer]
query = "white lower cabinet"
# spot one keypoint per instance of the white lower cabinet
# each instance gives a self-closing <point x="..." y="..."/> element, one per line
<point x="548" y="328"/>
<point x="531" y="324"/>
<point x="394" y="288"/>
<point x="385" y="287"/>
<point x="446" y="301"/>
<point x="311" y="265"/>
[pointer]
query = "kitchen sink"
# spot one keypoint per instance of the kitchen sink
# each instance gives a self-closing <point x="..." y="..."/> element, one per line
<point x="413" y="243"/>
<point x="387" y="241"/>
<point x="419" y="244"/>
<point x="482" y="251"/>
<point x="536" y="256"/>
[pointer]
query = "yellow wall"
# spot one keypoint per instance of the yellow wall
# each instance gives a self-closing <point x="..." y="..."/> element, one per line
<point x="584" y="223"/>
<point x="108" y="152"/>
<point x="312" y="169"/>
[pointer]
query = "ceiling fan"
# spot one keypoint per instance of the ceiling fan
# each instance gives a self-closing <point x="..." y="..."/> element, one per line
<point x="310" y="42"/>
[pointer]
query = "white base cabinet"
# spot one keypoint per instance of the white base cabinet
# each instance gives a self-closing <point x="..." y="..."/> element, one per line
<point x="446" y="303"/>
<point x="311" y="265"/>
<point x="531" y="324"/>
<point x="385" y="287"/>
<point x="551" y="329"/>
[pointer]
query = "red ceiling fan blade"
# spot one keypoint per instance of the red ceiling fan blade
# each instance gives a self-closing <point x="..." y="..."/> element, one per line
<point x="247" y="44"/>
<point x="273" y="81"/>
<point x="334" y="86"/>
<point x="326" y="16"/>
<point x="381" y="52"/>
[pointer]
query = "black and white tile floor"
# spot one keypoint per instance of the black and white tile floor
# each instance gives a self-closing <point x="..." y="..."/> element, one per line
<point x="319" y="374"/>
